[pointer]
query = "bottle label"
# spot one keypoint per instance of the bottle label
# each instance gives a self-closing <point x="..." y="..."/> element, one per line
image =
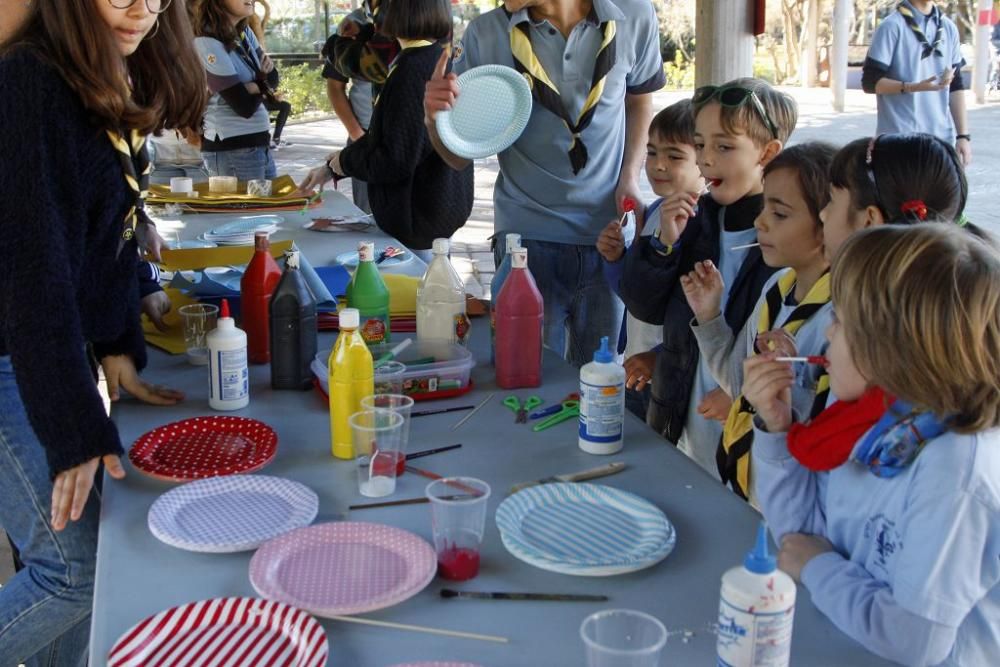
<point x="366" y="252"/>
<point x="602" y="411"/>
<point x="753" y="638"/>
<point x="373" y="329"/>
<point x="234" y="377"/>
<point x="462" y="328"/>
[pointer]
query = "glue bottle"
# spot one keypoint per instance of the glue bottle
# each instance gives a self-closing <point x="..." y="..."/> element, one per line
<point x="756" y="607"/>
<point x="602" y="403"/>
<point x="228" y="375"/>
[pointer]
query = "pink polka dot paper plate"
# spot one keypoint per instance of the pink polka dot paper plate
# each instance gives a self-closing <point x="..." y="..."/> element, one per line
<point x="204" y="447"/>
<point x="437" y="663"/>
<point x="337" y="569"/>
<point x="227" y="632"/>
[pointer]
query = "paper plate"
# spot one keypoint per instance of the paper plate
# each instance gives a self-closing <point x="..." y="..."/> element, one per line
<point x="231" y="513"/>
<point x="350" y="258"/>
<point x="244" y="225"/>
<point x="489" y="114"/>
<point x="193" y="243"/>
<point x="224" y="632"/>
<point x="349" y="567"/>
<point x="204" y="447"/>
<point x="436" y="663"/>
<point x="584" y="529"/>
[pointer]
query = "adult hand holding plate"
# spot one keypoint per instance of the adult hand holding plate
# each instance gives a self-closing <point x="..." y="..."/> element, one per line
<point x="488" y="116"/>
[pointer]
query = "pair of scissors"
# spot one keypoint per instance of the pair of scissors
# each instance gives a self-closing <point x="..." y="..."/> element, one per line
<point x="569" y="410"/>
<point x="552" y="409"/>
<point x="521" y="411"/>
<point x="389" y="253"/>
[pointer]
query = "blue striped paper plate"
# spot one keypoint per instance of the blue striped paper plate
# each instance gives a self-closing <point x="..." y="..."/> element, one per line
<point x="584" y="529"/>
<point x="231" y="513"/>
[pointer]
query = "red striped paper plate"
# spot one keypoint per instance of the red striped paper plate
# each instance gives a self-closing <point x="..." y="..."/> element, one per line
<point x="224" y="632"/>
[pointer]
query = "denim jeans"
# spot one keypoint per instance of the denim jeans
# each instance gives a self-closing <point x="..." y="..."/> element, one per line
<point x="243" y="163"/>
<point x="580" y="308"/>
<point x="45" y="607"/>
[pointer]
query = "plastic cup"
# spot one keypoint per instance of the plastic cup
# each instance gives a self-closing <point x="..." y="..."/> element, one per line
<point x="389" y="378"/>
<point x="623" y="638"/>
<point x="376" y="435"/>
<point x="181" y="185"/>
<point x="458" y="517"/>
<point x="259" y="187"/>
<point x="399" y="404"/>
<point x="222" y="184"/>
<point x="199" y="319"/>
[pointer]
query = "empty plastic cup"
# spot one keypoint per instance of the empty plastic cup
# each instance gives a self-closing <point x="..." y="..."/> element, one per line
<point x="458" y="517"/>
<point x="400" y="404"/>
<point x="198" y="319"/>
<point x="623" y="638"/>
<point x="376" y="435"/>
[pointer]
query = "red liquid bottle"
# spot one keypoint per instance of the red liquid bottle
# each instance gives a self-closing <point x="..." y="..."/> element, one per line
<point x="256" y="286"/>
<point x="519" y="315"/>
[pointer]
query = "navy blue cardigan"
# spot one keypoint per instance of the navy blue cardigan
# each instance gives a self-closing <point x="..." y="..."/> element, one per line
<point x="63" y="201"/>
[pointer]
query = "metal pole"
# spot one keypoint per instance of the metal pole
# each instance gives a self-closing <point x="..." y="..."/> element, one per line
<point x="984" y="29"/>
<point x="838" y="52"/>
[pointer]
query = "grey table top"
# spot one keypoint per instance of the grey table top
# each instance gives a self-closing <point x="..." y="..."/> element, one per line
<point x="138" y="576"/>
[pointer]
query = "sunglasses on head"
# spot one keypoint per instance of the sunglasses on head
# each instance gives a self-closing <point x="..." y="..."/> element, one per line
<point x="734" y="96"/>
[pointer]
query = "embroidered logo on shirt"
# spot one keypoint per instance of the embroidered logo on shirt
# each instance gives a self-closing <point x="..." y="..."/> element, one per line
<point x="210" y="58"/>
<point x="457" y="52"/>
<point x="887" y="541"/>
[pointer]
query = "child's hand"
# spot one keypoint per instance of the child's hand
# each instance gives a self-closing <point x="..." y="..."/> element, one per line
<point x="611" y="242"/>
<point x="767" y="385"/>
<point x="715" y="405"/>
<point x="703" y="289"/>
<point x="639" y="370"/>
<point x="797" y="549"/>
<point x="674" y="214"/>
<point x="777" y="340"/>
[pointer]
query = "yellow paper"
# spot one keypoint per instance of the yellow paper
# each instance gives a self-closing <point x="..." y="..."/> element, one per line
<point x="282" y="188"/>
<point x="402" y="293"/>
<point x="171" y="340"/>
<point x="187" y="259"/>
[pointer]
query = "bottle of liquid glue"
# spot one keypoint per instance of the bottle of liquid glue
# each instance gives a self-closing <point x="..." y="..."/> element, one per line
<point x="351" y="379"/>
<point x="228" y="375"/>
<point x="602" y="403"/>
<point x="756" y="607"/>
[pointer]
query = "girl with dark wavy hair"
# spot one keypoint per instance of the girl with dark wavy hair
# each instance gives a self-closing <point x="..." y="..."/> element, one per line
<point x="84" y="82"/>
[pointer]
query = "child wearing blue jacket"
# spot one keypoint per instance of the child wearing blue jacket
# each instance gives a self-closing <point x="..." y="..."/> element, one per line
<point x="900" y="545"/>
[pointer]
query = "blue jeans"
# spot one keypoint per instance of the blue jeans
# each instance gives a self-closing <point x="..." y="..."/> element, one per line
<point x="580" y="308"/>
<point x="243" y="163"/>
<point x="45" y="607"/>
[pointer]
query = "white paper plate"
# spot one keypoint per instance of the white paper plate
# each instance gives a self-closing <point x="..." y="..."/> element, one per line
<point x="231" y="513"/>
<point x="489" y="114"/>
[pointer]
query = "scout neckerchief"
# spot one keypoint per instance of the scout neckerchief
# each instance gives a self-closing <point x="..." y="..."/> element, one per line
<point x="134" y="159"/>
<point x="249" y="55"/>
<point x="546" y="93"/>
<point x="906" y="10"/>
<point x="733" y="454"/>
<point x="897" y="439"/>
<point x="405" y="45"/>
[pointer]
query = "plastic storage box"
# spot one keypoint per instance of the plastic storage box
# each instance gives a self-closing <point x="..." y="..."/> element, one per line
<point x="433" y="370"/>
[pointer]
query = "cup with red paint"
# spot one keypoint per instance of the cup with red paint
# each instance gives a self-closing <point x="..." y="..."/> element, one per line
<point x="401" y="405"/>
<point x="458" y="518"/>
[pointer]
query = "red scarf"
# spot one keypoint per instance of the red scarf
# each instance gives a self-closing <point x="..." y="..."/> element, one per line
<point x="828" y="440"/>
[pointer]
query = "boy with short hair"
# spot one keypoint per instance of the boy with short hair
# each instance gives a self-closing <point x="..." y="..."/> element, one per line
<point x="671" y="168"/>
<point x="739" y="127"/>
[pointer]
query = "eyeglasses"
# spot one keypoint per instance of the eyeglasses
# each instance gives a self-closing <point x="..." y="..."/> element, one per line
<point x="734" y="96"/>
<point x="154" y="6"/>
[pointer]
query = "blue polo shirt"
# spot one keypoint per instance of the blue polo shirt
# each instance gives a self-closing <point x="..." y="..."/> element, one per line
<point x="898" y="49"/>
<point x="537" y="195"/>
<point x="226" y="69"/>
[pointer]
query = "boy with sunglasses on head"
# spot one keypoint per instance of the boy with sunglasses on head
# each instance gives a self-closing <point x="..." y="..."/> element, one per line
<point x="739" y="127"/>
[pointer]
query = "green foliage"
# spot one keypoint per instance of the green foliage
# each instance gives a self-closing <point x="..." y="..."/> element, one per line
<point x="679" y="72"/>
<point x="304" y="88"/>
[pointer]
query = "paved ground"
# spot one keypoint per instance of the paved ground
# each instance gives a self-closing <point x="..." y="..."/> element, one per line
<point x="471" y="251"/>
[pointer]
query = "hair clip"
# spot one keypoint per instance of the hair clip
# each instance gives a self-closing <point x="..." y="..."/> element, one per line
<point x="915" y="206"/>
<point x="871" y="148"/>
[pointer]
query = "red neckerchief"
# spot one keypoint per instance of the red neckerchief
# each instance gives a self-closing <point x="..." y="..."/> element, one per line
<point x="828" y="440"/>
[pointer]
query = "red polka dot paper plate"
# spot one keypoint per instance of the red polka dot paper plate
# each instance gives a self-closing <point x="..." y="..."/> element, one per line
<point x="204" y="447"/>
<point x="230" y="632"/>
<point x="348" y="567"/>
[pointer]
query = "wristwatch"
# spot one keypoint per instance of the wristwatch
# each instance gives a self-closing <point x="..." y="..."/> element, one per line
<point x="659" y="246"/>
<point x="902" y="87"/>
<point x="967" y="137"/>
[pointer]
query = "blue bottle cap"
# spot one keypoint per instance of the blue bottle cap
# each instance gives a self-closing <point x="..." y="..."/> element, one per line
<point x="759" y="560"/>
<point x="603" y="355"/>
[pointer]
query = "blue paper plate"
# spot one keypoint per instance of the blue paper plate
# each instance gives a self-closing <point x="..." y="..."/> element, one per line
<point x="350" y="258"/>
<point x="584" y="529"/>
<point x="491" y="111"/>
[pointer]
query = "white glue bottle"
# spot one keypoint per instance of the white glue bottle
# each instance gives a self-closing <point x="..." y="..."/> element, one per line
<point x="756" y="607"/>
<point x="228" y="376"/>
<point x="602" y="403"/>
